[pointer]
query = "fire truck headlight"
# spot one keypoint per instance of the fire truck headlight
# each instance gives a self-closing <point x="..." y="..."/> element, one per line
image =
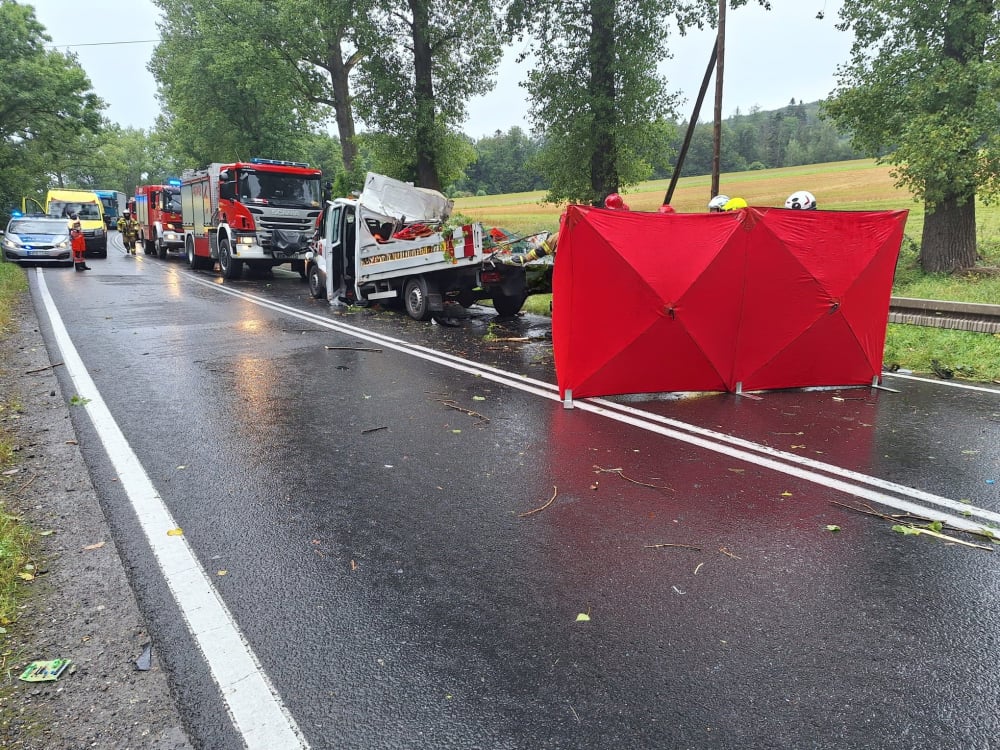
<point x="246" y="240"/>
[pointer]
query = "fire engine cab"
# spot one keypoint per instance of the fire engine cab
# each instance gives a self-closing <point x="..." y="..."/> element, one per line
<point x="258" y="214"/>
<point x="158" y="211"/>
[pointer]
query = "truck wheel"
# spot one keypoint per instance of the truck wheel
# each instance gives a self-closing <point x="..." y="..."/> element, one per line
<point x="415" y="296"/>
<point x="317" y="284"/>
<point x="231" y="267"/>
<point x="196" y="262"/>
<point x="299" y="266"/>
<point x="508" y="305"/>
<point x="161" y="249"/>
<point x="147" y="246"/>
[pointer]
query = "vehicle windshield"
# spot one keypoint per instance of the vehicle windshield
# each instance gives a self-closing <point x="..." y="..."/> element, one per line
<point x="172" y="200"/>
<point x="85" y="211"/>
<point x="279" y="189"/>
<point x="38" y="226"/>
<point x="110" y="206"/>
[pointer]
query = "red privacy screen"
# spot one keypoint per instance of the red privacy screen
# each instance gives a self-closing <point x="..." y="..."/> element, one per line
<point x="756" y="299"/>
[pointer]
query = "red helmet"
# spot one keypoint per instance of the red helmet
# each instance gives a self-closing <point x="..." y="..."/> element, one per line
<point x="615" y="203"/>
<point x="666" y="208"/>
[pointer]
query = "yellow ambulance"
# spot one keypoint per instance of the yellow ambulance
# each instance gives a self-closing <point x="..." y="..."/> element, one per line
<point x="88" y="207"/>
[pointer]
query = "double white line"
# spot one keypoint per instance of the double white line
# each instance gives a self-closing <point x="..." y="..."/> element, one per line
<point x="889" y="494"/>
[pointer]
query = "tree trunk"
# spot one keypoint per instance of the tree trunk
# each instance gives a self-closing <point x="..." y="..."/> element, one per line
<point x="604" y="177"/>
<point x="339" y="72"/>
<point x="423" y="93"/>
<point x="949" y="239"/>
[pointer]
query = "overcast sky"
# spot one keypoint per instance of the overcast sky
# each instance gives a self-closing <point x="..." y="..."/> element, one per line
<point x="771" y="58"/>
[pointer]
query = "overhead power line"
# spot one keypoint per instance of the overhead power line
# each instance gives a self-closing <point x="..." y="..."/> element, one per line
<point x="101" y="44"/>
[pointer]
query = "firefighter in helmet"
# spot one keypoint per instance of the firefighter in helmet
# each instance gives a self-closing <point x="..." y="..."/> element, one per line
<point x="802" y="200"/>
<point x="129" y="229"/>
<point x="614" y="202"/>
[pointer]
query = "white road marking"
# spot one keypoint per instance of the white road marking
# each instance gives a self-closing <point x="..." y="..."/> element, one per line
<point x="948" y="383"/>
<point x="787" y="463"/>
<point x="254" y="705"/>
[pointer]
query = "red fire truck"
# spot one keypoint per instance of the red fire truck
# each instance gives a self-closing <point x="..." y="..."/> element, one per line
<point x="260" y="213"/>
<point x="158" y="211"/>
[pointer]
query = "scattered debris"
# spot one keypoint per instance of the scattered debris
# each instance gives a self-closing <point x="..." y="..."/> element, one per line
<point x="941" y="371"/>
<point x="540" y="508"/>
<point x="96" y="545"/>
<point x="373" y="429"/>
<point x="697" y="568"/>
<point x="176" y="532"/>
<point x="832" y="528"/>
<point x="43" y="369"/>
<point x="930" y="527"/>
<point x="145" y="661"/>
<point x="620" y="472"/>
<point x="451" y="404"/>
<point x="677" y="590"/>
<point x="352" y="349"/>
<point x="44" y="671"/>
<point x="727" y="553"/>
<point x="666" y="544"/>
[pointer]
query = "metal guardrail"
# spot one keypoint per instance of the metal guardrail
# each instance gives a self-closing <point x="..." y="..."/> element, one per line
<point x="962" y="316"/>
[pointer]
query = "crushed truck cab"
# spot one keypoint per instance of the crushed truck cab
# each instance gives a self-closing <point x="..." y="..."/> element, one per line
<point x="394" y="244"/>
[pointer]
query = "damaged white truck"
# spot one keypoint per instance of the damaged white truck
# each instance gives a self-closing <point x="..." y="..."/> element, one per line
<point x="394" y="244"/>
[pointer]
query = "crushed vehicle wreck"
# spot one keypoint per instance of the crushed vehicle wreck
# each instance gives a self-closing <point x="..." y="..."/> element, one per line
<point x="394" y="244"/>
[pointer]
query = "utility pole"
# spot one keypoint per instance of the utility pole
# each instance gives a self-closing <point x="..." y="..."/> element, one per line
<point x="720" y="54"/>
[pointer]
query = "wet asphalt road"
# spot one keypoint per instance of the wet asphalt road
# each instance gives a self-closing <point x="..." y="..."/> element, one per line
<point x="372" y="513"/>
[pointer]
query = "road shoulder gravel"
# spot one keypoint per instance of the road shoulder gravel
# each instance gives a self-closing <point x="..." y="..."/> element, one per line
<point x="81" y="606"/>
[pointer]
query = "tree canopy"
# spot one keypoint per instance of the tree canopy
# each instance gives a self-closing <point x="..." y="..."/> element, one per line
<point x="46" y="102"/>
<point x="920" y="92"/>
<point x="594" y="91"/>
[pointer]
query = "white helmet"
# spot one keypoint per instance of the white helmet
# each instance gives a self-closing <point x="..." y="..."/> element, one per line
<point x="802" y="199"/>
<point x="718" y="202"/>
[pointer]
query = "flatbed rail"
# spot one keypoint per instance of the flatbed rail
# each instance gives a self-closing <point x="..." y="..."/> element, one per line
<point x="963" y="316"/>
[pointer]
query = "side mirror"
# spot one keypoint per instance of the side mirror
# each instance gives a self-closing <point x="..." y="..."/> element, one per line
<point x="224" y="175"/>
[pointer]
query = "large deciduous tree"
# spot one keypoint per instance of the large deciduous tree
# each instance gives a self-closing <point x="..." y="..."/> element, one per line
<point x="227" y="94"/>
<point x="46" y="102"/>
<point x="429" y="58"/>
<point x="596" y="97"/>
<point x="920" y="92"/>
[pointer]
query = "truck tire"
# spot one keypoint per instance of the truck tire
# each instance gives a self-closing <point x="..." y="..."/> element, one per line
<point x="317" y="285"/>
<point x="147" y="246"/>
<point x="196" y="262"/>
<point x="416" y="298"/>
<point x="299" y="266"/>
<point x="508" y="305"/>
<point x="161" y="249"/>
<point x="231" y="267"/>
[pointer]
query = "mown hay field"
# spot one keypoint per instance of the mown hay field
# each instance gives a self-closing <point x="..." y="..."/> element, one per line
<point x="859" y="185"/>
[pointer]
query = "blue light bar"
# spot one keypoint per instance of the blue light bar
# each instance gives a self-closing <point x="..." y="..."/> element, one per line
<point x="16" y="214"/>
<point x="276" y="162"/>
<point x="174" y="182"/>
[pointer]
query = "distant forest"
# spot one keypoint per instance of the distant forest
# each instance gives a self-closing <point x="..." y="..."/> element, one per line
<point x="786" y="137"/>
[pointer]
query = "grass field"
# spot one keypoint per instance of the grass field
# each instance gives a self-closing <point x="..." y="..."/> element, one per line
<point x="849" y="185"/>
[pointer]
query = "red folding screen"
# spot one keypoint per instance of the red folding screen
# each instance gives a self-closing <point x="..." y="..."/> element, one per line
<point x="759" y="298"/>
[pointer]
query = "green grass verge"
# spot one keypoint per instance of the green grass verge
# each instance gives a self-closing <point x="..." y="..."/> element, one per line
<point x="17" y="541"/>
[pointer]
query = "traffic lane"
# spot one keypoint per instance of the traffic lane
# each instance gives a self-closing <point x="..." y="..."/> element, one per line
<point x="511" y="586"/>
<point x="930" y="436"/>
<point x="456" y="584"/>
